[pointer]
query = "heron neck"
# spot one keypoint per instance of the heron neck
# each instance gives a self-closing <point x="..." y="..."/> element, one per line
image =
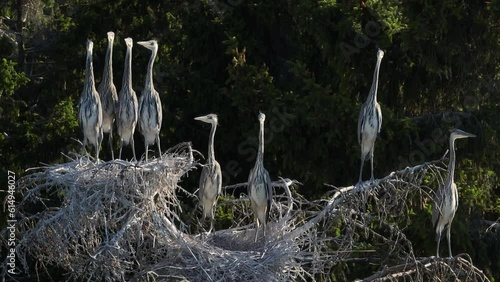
<point x="374" y="88"/>
<point x="89" y="73"/>
<point x="108" y="67"/>
<point x="127" y="72"/>
<point x="149" y="76"/>
<point x="211" y="151"/>
<point x="260" y="154"/>
<point x="451" y="165"/>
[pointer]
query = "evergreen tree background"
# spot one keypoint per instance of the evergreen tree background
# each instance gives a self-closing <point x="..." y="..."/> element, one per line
<point x="307" y="64"/>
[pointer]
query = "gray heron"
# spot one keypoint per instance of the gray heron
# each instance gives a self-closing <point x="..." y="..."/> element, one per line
<point x="211" y="175"/>
<point x="150" y="109"/>
<point x="127" y="104"/>
<point x="260" y="189"/>
<point x="446" y="201"/>
<point x="89" y="110"/>
<point x="370" y="121"/>
<point x="108" y="94"/>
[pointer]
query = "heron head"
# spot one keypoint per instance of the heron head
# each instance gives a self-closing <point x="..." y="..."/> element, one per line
<point x="129" y="42"/>
<point x="90" y="46"/>
<point x="150" y="44"/>
<point x="458" y="134"/>
<point x="261" y="117"/>
<point x="210" y="118"/>
<point x="380" y="54"/>
<point x="111" y="36"/>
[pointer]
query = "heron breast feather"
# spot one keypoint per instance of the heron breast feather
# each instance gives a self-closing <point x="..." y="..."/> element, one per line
<point x="209" y="189"/>
<point x="107" y="123"/>
<point x="259" y="194"/>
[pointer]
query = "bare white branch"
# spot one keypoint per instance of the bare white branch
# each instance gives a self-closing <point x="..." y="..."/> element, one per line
<point x="122" y="221"/>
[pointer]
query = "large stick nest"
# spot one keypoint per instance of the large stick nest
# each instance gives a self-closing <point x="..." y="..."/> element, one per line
<point x="122" y="221"/>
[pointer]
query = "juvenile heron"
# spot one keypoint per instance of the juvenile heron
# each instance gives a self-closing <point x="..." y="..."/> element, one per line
<point x="446" y="201"/>
<point x="150" y="110"/>
<point x="107" y="91"/>
<point x="89" y="110"/>
<point x="211" y="176"/>
<point x="128" y="107"/>
<point x="260" y="189"/>
<point x="370" y="121"/>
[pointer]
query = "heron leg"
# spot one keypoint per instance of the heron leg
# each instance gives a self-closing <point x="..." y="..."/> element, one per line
<point x="133" y="146"/>
<point x="363" y="156"/>
<point x="256" y="229"/>
<point x="371" y="162"/>
<point x="158" y="142"/>
<point x="97" y="147"/>
<point x="211" y="225"/>
<point x="264" y="231"/>
<point x="147" y="148"/>
<point x="212" y="218"/>
<point x="110" y="142"/>
<point x="121" y="147"/>
<point x="448" y="237"/>
<point x="439" y="240"/>
<point x="84" y="144"/>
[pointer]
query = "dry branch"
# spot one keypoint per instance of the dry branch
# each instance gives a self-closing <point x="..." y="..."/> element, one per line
<point x="121" y="221"/>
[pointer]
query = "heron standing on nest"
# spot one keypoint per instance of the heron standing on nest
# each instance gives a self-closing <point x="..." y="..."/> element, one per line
<point x="150" y="110"/>
<point x="260" y="190"/>
<point x="89" y="110"/>
<point x="211" y="176"/>
<point x="128" y="106"/>
<point x="370" y="121"/>
<point x="107" y="91"/>
<point x="446" y="201"/>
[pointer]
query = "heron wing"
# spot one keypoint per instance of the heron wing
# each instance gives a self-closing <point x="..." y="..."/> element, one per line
<point x="141" y="109"/>
<point x="80" y="113"/>
<point x="217" y="178"/>
<point x="135" y="104"/>
<point x="269" y="190"/>
<point x="454" y="188"/>
<point x="379" y="116"/>
<point x="203" y="177"/>
<point x="249" y="183"/>
<point x="437" y="207"/>
<point x="361" y="121"/>
<point x="158" y="107"/>
<point x="114" y="95"/>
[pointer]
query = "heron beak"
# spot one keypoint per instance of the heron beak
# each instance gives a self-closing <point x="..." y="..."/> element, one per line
<point x="142" y="43"/>
<point x="462" y="134"/>
<point x="202" y="118"/>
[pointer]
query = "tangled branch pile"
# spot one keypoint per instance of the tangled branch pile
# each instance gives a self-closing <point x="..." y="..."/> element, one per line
<point x="121" y="221"/>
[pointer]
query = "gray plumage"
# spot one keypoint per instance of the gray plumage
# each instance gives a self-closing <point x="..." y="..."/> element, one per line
<point x="260" y="189"/>
<point x="211" y="175"/>
<point x="150" y="108"/>
<point x="126" y="120"/>
<point x="89" y="110"/>
<point x="446" y="201"/>
<point x="108" y="94"/>
<point x="370" y="121"/>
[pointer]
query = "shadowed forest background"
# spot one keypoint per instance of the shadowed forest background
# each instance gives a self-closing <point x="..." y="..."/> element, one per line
<point x="308" y="65"/>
